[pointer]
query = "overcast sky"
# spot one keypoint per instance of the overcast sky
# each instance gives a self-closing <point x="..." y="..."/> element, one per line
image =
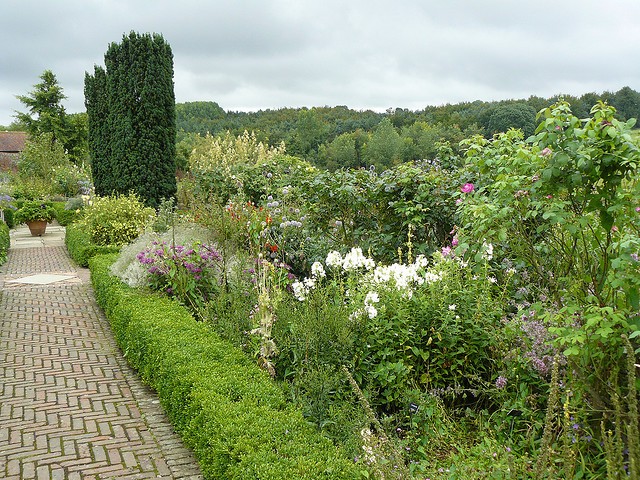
<point x="258" y="54"/>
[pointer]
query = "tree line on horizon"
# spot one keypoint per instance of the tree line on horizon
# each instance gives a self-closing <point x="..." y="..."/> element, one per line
<point x="340" y="137"/>
<point x="334" y="137"/>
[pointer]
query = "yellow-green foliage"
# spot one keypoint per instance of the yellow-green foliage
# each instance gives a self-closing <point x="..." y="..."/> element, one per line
<point x="116" y="220"/>
<point x="223" y="152"/>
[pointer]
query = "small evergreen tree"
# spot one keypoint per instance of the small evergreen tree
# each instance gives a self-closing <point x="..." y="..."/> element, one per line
<point x="131" y="107"/>
<point x="46" y="113"/>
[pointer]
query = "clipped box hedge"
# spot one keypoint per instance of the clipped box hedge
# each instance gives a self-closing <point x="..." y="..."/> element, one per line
<point x="233" y="416"/>
<point x="80" y="246"/>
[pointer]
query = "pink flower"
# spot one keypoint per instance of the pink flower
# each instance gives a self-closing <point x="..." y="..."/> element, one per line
<point x="545" y="152"/>
<point x="549" y="197"/>
<point x="454" y="242"/>
<point x="638" y="209"/>
<point x="458" y="201"/>
<point x="467" y="188"/>
<point x="446" y="251"/>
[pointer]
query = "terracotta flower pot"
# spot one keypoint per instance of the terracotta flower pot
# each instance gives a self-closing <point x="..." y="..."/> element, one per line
<point x="37" y="227"/>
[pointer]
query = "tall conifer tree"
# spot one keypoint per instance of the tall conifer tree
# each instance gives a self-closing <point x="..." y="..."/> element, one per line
<point x="99" y="140"/>
<point x="138" y="121"/>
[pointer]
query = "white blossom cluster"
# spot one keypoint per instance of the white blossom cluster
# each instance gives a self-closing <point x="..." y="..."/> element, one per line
<point x="404" y="278"/>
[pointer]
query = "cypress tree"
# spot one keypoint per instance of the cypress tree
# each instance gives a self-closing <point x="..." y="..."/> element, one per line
<point x="139" y="124"/>
<point x="99" y="140"/>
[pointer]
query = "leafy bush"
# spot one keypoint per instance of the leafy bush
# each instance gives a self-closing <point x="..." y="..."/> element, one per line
<point x="7" y="208"/>
<point x="5" y="242"/>
<point x="80" y="246"/>
<point x="116" y="220"/>
<point x="226" y="409"/>
<point x="562" y="211"/>
<point x="65" y="215"/>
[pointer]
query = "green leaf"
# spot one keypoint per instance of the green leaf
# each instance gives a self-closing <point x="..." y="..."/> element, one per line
<point x="606" y="219"/>
<point x="634" y="298"/>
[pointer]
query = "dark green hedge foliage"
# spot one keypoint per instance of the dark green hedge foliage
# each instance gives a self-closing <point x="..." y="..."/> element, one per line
<point x="8" y="217"/>
<point x="80" y="247"/>
<point x="4" y="241"/>
<point x="227" y="410"/>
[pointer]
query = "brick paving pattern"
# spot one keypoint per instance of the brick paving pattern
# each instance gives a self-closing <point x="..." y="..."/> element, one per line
<point x="70" y="406"/>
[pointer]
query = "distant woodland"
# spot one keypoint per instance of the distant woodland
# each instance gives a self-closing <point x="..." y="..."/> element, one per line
<point x="340" y="137"/>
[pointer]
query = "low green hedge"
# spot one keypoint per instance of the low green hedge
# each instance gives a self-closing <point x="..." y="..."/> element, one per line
<point x="5" y="241"/>
<point x="233" y="416"/>
<point x="80" y="247"/>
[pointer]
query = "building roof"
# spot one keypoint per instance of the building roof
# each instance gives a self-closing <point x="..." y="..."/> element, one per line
<point x="12" y="142"/>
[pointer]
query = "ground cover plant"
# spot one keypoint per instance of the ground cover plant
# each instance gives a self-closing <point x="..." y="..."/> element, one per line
<point x="470" y="316"/>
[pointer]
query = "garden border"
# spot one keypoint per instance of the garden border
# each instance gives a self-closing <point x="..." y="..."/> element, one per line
<point x="228" y="410"/>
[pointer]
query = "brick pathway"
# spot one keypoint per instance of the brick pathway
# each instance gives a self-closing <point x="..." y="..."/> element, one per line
<point x="70" y="407"/>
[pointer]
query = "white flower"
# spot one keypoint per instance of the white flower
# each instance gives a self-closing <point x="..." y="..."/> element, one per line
<point x="431" y="277"/>
<point x="422" y="261"/>
<point x="371" y="311"/>
<point x="334" y="259"/>
<point x="309" y="283"/>
<point x="317" y="270"/>
<point x="452" y="307"/>
<point x="488" y="251"/>
<point x="372" y="297"/>
<point x="299" y="291"/>
<point x="355" y="259"/>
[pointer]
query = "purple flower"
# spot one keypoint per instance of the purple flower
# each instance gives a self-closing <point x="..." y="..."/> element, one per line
<point x="501" y="382"/>
<point x="467" y="188"/>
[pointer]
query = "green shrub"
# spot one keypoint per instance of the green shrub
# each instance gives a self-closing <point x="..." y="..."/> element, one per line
<point x="116" y="220"/>
<point x="4" y="242"/>
<point x="80" y="246"/>
<point x="227" y="410"/>
<point x="8" y="218"/>
<point x="64" y="215"/>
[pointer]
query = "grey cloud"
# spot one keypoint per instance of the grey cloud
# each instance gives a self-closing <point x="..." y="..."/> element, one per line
<point x="252" y="54"/>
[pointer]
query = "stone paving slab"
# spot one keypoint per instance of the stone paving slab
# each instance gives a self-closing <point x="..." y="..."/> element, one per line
<point x="70" y="406"/>
<point x="53" y="237"/>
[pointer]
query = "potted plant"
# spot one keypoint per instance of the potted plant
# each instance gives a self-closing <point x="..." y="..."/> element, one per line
<point x="36" y="215"/>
